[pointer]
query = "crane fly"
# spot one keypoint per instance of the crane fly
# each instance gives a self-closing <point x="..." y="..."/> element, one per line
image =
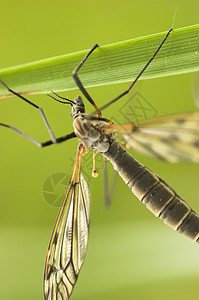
<point x="174" y="138"/>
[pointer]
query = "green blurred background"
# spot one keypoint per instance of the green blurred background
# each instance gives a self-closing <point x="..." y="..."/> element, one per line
<point x="131" y="254"/>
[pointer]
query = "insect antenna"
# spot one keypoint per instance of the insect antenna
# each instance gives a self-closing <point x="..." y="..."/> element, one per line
<point x="63" y="102"/>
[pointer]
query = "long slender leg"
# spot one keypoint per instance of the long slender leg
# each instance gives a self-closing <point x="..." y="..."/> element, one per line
<point x="35" y="106"/>
<point x="90" y="117"/>
<point x="136" y="79"/>
<point x="44" y="144"/>
<point x="59" y="140"/>
<point x="108" y="191"/>
<point x="79" y="83"/>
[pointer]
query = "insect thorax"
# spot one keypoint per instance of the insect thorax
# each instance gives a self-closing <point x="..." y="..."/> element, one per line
<point x="89" y="133"/>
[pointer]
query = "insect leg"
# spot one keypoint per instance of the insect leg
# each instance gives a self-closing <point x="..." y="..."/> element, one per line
<point x="141" y="72"/>
<point x="90" y="117"/>
<point x="108" y="189"/>
<point x="44" y="144"/>
<point x="79" y="83"/>
<point x="35" y="106"/>
<point x="59" y="140"/>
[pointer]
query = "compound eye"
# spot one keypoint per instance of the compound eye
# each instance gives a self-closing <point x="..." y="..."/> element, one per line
<point x="79" y="104"/>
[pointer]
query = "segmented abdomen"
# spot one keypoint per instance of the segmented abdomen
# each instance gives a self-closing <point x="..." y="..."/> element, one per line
<point x="154" y="192"/>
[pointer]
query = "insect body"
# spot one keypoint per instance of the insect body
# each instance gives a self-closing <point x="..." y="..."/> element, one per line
<point x="153" y="191"/>
<point x="68" y="244"/>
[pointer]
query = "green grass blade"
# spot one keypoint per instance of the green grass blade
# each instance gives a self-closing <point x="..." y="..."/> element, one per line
<point x="110" y="64"/>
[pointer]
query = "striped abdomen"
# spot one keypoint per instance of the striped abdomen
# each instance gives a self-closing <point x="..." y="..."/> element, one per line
<point x="154" y="192"/>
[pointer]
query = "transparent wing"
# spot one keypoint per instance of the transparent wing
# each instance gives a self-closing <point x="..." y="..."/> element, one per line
<point x="68" y="244"/>
<point x="173" y="138"/>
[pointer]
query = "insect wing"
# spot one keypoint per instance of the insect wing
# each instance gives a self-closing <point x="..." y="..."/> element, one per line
<point x="173" y="138"/>
<point x="68" y="244"/>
